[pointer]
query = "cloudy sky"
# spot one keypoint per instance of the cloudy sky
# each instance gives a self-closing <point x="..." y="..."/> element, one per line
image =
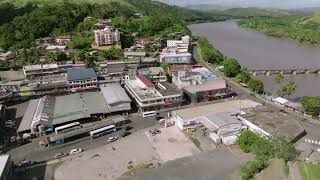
<point x="251" y="3"/>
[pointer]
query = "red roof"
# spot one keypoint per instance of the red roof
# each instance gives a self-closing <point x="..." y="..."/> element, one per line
<point x="146" y="81"/>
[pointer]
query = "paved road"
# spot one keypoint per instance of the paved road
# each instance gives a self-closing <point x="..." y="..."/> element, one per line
<point x="34" y="152"/>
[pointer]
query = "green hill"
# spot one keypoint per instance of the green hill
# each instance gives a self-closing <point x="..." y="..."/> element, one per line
<point x="302" y="27"/>
<point x="23" y="21"/>
<point x="255" y="12"/>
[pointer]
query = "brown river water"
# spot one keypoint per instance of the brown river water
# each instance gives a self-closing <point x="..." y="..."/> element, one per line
<point x="257" y="51"/>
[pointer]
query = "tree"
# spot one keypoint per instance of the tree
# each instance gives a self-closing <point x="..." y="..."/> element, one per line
<point x="256" y="86"/>
<point x="244" y="76"/>
<point x="80" y="43"/>
<point x="208" y="52"/>
<point x="287" y="90"/>
<point x="311" y="105"/>
<point x="231" y="67"/>
<point x="57" y="55"/>
<point x="278" y="81"/>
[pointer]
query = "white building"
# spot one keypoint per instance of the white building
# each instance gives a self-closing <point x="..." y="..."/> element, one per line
<point x="183" y="78"/>
<point x="107" y="36"/>
<point x="174" y="55"/>
<point x="5" y="167"/>
<point x="150" y="96"/>
<point x="184" y="42"/>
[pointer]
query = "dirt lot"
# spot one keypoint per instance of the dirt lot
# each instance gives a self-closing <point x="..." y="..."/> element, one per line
<point x="220" y="164"/>
<point x="109" y="161"/>
<point x="172" y="144"/>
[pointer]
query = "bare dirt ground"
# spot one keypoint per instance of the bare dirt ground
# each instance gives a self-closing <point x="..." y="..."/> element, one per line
<point x="109" y="161"/>
<point x="172" y="144"/>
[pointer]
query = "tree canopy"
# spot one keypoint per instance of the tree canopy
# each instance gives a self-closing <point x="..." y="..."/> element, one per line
<point x="311" y="105"/>
<point x="231" y="67"/>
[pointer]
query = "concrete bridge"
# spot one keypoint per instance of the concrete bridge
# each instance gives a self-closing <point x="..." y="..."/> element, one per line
<point x="269" y="72"/>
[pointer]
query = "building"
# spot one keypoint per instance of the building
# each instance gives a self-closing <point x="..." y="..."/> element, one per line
<point x="45" y="40"/>
<point x="116" y="98"/>
<point x="37" y="70"/>
<point x="175" y="68"/>
<point x="107" y="36"/>
<point x="135" y="54"/>
<point x="173" y="55"/>
<point x="141" y="42"/>
<point x="102" y="23"/>
<point x="208" y="90"/>
<point x="268" y="121"/>
<point x="155" y="74"/>
<point x="56" y="48"/>
<point x="150" y="96"/>
<point x="6" y="56"/>
<point x="5" y="167"/>
<point x="63" y="40"/>
<point x="220" y="118"/>
<point x="82" y="79"/>
<point x="51" y="111"/>
<point x="184" y="42"/>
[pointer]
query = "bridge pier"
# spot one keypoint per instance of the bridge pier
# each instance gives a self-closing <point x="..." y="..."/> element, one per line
<point x="307" y="72"/>
<point x="294" y="72"/>
<point x="268" y="73"/>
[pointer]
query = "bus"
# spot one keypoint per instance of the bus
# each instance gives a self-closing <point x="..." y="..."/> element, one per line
<point x="103" y="131"/>
<point x="148" y="114"/>
<point x="70" y="126"/>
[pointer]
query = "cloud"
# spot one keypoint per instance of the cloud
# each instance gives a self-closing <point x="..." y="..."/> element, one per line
<point x="251" y="3"/>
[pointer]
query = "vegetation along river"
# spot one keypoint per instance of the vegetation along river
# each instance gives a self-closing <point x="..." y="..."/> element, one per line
<point x="257" y="51"/>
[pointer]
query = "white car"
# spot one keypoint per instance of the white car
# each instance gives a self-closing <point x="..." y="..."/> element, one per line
<point x="76" y="151"/>
<point x="161" y="121"/>
<point x="112" y="139"/>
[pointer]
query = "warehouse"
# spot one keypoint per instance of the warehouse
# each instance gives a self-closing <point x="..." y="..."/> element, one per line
<point x="116" y="98"/>
<point x="219" y="118"/>
<point x="44" y="113"/>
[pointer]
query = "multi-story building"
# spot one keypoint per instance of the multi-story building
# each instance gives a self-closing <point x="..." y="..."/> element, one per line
<point x="174" y="55"/>
<point x="184" y="42"/>
<point x="6" y="165"/>
<point x="155" y="74"/>
<point x="150" y="96"/>
<point x="200" y="84"/>
<point x="6" y="56"/>
<point x="82" y="79"/>
<point x="107" y="36"/>
<point x="45" y="69"/>
<point x="102" y="23"/>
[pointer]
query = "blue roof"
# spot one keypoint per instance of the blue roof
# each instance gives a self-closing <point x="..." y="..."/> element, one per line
<point x="81" y="74"/>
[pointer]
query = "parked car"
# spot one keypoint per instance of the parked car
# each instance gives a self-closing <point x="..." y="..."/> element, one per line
<point x="60" y="155"/>
<point x="157" y="131"/>
<point x="159" y="117"/>
<point x="128" y="128"/>
<point x="76" y="151"/>
<point x="27" y="162"/>
<point x="152" y="132"/>
<point x="112" y="139"/>
<point x="126" y="133"/>
<point x="161" y="121"/>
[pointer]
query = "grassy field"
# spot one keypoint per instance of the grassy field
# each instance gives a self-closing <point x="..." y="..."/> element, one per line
<point x="275" y="171"/>
<point x="309" y="171"/>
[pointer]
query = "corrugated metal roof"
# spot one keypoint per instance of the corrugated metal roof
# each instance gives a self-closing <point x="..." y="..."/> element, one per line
<point x="145" y="80"/>
<point x="114" y="93"/>
<point x="81" y="74"/>
<point x="28" y="116"/>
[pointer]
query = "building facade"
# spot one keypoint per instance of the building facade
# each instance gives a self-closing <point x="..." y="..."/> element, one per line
<point x="150" y="96"/>
<point x="82" y="79"/>
<point x="107" y="36"/>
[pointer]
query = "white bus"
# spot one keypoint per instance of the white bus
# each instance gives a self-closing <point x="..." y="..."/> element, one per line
<point x="70" y="126"/>
<point x="103" y="131"/>
<point x="148" y="114"/>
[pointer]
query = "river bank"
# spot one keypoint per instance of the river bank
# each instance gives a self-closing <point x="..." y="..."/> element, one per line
<point x="257" y="51"/>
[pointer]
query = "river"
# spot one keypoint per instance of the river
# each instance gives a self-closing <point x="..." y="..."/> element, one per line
<point x="257" y="51"/>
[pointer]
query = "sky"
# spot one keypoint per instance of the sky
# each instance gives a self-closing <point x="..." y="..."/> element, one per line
<point x="286" y="4"/>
